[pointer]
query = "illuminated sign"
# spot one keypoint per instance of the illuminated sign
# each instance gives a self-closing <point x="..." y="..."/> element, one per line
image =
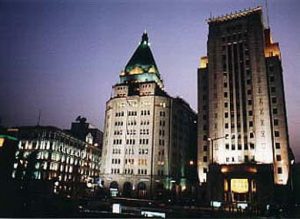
<point x="1" y="142"/>
<point x="116" y="208"/>
<point x="215" y="204"/>
<point x="153" y="214"/>
<point x="239" y="185"/>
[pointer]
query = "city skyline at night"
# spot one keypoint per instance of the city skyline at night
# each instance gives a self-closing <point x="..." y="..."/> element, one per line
<point x="61" y="57"/>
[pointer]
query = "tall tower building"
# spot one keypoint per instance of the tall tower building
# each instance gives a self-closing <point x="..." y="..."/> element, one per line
<point x="145" y="150"/>
<point x="242" y="115"/>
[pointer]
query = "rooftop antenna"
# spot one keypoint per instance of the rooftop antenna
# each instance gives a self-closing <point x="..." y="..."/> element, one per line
<point x="267" y="13"/>
<point x="39" y="118"/>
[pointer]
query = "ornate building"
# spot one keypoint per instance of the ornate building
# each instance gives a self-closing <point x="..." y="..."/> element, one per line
<point x="242" y="131"/>
<point x="57" y="160"/>
<point x="149" y="141"/>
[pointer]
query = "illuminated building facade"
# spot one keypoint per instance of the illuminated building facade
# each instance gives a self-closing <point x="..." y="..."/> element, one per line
<point x="50" y="155"/>
<point x="149" y="141"/>
<point x="8" y="148"/>
<point x="241" y="105"/>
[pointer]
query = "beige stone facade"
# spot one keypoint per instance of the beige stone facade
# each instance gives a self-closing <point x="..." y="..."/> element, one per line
<point x="149" y="144"/>
<point x="242" y="115"/>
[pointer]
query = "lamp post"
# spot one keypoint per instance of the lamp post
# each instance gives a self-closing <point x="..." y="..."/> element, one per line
<point x="212" y="162"/>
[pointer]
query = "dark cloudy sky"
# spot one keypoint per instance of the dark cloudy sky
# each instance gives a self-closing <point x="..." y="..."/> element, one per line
<point x="63" y="56"/>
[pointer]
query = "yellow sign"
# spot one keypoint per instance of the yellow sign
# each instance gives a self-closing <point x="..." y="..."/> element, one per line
<point x="1" y="142"/>
<point x="239" y="185"/>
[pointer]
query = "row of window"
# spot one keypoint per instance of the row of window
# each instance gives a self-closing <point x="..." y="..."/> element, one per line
<point x="51" y="145"/>
<point x="143" y="151"/>
<point x="162" y="123"/>
<point x="279" y="169"/>
<point x="144" y="131"/>
<point x="129" y="151"/>
<point x="117" y="141"/>
<point x="142" y="171"/>
<point x="145" y="112"/>
<point x="131" y="132"/>
<point x="128" y="171"/>
<point x="118" y="132"/>
<point x="161" y="142"/>
<point x="129" y="161"/>
<point x="115" y="161"/>
<point x="162" y="113"/>
<point x="132" y="123"/>
<point x="118" y="114"/>
<point x="142" y="162"/>
<point x="118" y="123"/>
<point x="251" y="135"/>
<point x="161" y="152"/>
<point x="132" y="113"/>
<point x="239" y="147"/>
<point x="162" y="132"/>
<point x="130" y="141"/>
<point x="145" y="122"/>
<point x="115" y="171"/>
<point x="116" y="151"/>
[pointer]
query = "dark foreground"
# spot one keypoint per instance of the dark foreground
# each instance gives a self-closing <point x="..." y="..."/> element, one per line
<point x="130" y="208"/>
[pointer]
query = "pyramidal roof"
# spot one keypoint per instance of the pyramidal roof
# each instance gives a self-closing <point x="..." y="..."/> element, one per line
<point x="141" y="66"/>
<point x="142" y="58"/>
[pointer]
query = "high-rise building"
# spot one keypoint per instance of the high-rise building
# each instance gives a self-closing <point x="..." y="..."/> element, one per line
<point x="242" y="132"/>
<point x="149" y="144"/>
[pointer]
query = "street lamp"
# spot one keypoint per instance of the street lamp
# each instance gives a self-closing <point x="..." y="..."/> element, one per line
<point x="212" y="162"/>
<point x="212" y="145"/>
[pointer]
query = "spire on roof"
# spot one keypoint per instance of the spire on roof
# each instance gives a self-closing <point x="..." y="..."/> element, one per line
<point x="142" y="57"/>
<point x="141" y="66"/>
<point x="145" y="38"/>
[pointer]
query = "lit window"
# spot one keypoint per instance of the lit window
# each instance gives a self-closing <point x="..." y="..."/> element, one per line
<point x="239" y="185"/>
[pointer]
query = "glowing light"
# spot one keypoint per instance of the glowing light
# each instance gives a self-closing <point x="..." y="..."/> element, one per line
<point x="1" y="142"/>
<point x="203" y="62"/>
<point x="224" y="169"/>
<point x="272" y="51"/>
<point x="239" y="185"/>
<point x="225" y="185"/>
<point x="136" y="70"/>
<point x="152" y="70"/>
<point x="191" y="162"/>
<point x="252" y="170"/>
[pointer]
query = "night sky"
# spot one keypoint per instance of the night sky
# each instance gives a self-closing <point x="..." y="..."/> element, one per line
<point x="62" y="57"/>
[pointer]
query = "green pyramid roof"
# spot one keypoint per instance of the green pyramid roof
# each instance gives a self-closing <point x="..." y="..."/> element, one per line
<point x="142" y="57"/>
